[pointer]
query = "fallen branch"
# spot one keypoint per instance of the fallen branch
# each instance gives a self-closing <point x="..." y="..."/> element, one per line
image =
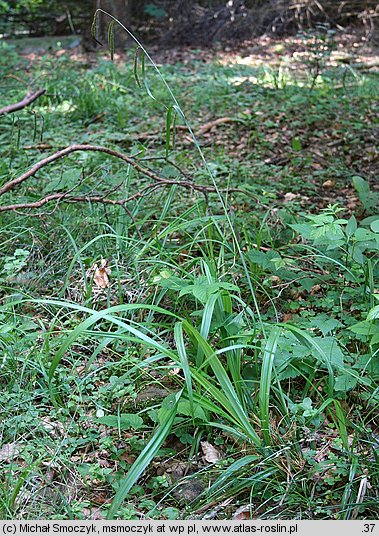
<point x="55" y="197"/>
<point x="28" y="99"/>
<point x="62" y="197"/>
<point x="38" y="147"/>
<point x="67" y="197"/>
<point x="71" y="149"/>
<point x="208" y="126"/>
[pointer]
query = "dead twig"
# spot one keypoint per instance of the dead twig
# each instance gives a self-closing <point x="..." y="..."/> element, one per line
<point x="71" y="149"/>
<point x="64" y="196"/>
<point x="67" y="197"/>
<point x="38" y="147"/>
<point x="28" y="99"/>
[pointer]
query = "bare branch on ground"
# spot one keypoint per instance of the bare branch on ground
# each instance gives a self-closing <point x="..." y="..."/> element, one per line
<point x="68" y="197"/>
<point x="28" y="99"/>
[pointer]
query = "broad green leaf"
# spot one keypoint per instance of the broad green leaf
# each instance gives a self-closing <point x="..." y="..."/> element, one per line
<point x="364" y="235"/>
<point x="166" y="279"/>
<point x="345" y="382"/>
<point x="331" y="350"/>
<point x="145" y="458"/>
<point x="124" y="421"/>
<point x="373" y="313"/>
<point x="312" y="343"/>
<point x="200" y="292"/>
<point x="357" y="254"/>
<point x="325" y="324"/>
<point x="296" y="144"/>
<point x="184" y="408"/>
<point x="360" y="184"/>
<point x="305" y="229"/>
<point x="351" y="226"/>
<point x="363" y="328"/>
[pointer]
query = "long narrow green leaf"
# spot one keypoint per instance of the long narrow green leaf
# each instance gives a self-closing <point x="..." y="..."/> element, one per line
<point x="78" y="252"/>
<point x="232" y="470"/>
<point x="144" y="77"/>
<point x="229" y="396"/>
<point x="233" y="431"/>
<point x="179" y="340"/>
<point x="222" y="407"/>
<point x="205" y="325"/>
<point x="347" y="506"/>
<point x="144" y="459"/>
<point x="341" y="424"/>
<point x="235" y="485"/>
<point x="265" y="382"/>
<point x="108" y="315"/>
<point x="83" y="327"/>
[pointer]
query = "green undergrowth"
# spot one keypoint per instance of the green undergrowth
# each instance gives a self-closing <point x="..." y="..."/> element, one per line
<point x="192" y="351"/>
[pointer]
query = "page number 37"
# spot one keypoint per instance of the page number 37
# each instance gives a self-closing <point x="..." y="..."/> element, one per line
<point x="368" y="527"/>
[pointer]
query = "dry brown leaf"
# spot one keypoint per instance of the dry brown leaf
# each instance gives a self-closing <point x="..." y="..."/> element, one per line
<point x="9" y="451"/>
<point x="243" y="512"/>
<point x="175" y="371"/>
<point x="322" y="453"/>
<point x="328" y="184"/>
<point x="100" y="277"/>
<point x="211" y="454"/>
<point x="128" y="458"/>
<point x="289" y="196"/>
<point x="90" y="513"/>
<point x="315" y="289"/>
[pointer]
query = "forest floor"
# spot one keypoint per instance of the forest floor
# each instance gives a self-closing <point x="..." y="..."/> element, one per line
<point x="209" y="348"/>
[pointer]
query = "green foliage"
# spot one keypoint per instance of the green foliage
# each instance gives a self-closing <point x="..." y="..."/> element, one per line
<point x="369" y="199"/>
<point x="369" y="328"/>
<point x="225" y="321"/>
<point x="154" y="11"/>
<point x="43" y="17"/>
<point x="345" y="242"/>
<point x="14" y="263"/>
<point x="122" y="422"/>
